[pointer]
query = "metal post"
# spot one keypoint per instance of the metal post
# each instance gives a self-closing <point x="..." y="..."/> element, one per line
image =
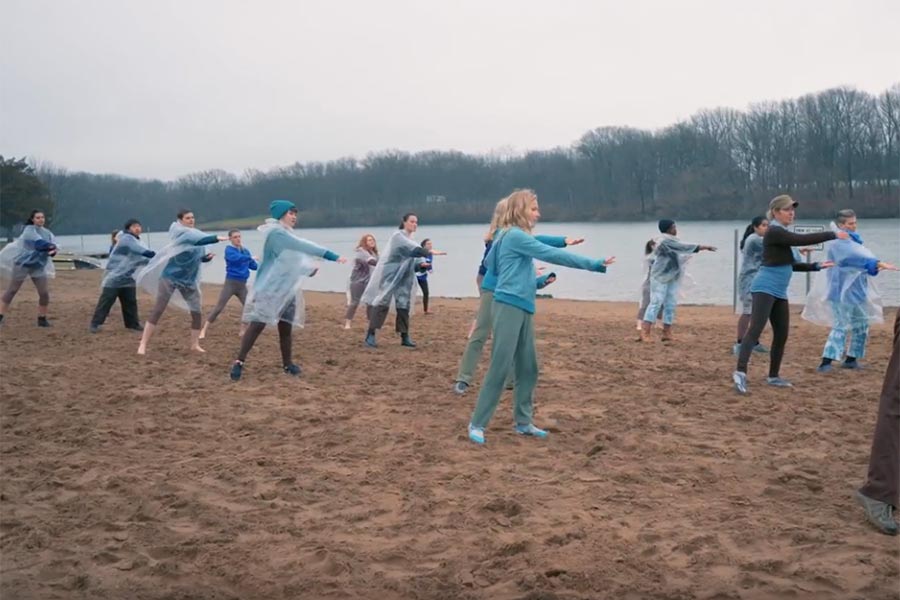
<point x="734" y="299"/>
<point x="808" y="274"/>
<point x="82" y="243"/>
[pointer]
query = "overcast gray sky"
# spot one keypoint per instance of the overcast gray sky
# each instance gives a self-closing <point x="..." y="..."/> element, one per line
<point x="161" y="88"/>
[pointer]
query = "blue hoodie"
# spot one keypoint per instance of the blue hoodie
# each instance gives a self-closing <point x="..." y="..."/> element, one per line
<point x="512" y="258"/>
<point x="238" y="263"/>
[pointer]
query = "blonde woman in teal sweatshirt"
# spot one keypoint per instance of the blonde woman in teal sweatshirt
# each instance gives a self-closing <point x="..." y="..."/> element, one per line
<point x="511" y="258"/>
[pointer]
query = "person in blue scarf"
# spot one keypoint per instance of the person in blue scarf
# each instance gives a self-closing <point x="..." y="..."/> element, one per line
<point x="844" y="299"/>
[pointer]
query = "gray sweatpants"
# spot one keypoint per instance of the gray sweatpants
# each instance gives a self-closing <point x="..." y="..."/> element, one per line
<point x="232" y="287"/>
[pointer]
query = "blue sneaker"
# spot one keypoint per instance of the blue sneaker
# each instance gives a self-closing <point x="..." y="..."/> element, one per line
<point x="237" y="370"/>
<point x="760" y="349"/>
<point x="851" y="365"/>
<point x="292" y="369"/>
<point x="779" y="382"/>
<point x="476" y="434"/>
<point x="740" y="382"/>
<point x="531" y="430"/>
<point x="460" y="387"/>
<point x="370" y="341"/>
<point x="824" y="368"/>
<point x="736" y="349"/>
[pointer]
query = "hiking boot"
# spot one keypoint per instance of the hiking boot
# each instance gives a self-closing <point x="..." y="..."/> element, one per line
<point x="237" y="370"/>
<point x="476" y="434"/>
<point x="292" y="369"/>
<point x="370" y="341"/>
<point x="880" y="514"/>
<point x="460" y="387"/>
<point x="43" y="322"/>
<point x="531" y="430"/>
<point x="852" y="364"/>
<point x="740" y="382"/>
<point x="779" y="382"/>
<point x="94" y="328"/>
<point x="824" y="368"/>
<point x="406" y="341"/>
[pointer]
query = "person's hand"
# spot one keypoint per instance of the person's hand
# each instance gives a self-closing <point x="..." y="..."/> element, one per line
<point x="550" y="279"/>
<point x="842" y="235"/>
<point x="222" y="238"/>
<point x="826" y="264"/>
<point x="255" y="258"/>
<point x="52" y="252"/>
<point x="710" y="248"/>
<point x="883" y="266"/>
<point x="341" y="260"/>
<point x="540" y="270"/>
<point x="438" y="253"/>
<point x="314" y="271"/>
<point x="609" y="261"/>
<point x="805" y="250"/>
<point x="574" y="241"/>
<point x="210" y="256"/>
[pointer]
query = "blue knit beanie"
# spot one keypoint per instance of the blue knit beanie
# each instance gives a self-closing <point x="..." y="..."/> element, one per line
<point x="278" y="207"/>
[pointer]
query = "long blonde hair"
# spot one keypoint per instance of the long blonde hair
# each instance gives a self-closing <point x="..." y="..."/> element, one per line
<point x="517" y="209"/>
<point x="495" y="220"/>
<point x="362" y="244"/>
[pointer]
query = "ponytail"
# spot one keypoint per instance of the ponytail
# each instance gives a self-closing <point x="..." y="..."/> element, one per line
<point x="756" y="222"/>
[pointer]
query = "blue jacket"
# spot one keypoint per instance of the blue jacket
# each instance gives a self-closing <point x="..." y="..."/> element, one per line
<point x="238" y="263"/>
<point x="490" y="277"/>
<point x="512" y="258"/>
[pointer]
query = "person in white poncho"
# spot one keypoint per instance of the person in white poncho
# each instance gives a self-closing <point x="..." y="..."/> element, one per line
<point x="394" y="280"/>
<point x="277" y="295"/>
<point x="30" y="256"/>
<point x="128" y="254"/>
<point x="844" y="298"/>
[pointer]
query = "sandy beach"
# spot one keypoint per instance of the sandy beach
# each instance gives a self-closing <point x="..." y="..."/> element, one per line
<point x="156" y="477"/>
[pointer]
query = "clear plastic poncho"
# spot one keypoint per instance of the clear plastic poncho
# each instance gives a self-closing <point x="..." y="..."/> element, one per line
<point x="846" y="284"/>
<point x="126" y="258"/>
<point x="178" y="263"/>
<point x="669" y="259"/>
<point x="751" y="261"/>
<point x="22" y="259"/>
<point x="394" y="277"/>
<point x="362" y="270"/>
<point x="284" y="268"/>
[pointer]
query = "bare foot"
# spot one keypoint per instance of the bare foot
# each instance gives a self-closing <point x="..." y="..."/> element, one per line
<point x="197" y="348"/>
<point x="347" y="325"/>
<point x="142" y="349"/>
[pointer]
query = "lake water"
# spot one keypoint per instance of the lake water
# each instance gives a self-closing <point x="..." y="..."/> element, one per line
<point x="454" y="275"/>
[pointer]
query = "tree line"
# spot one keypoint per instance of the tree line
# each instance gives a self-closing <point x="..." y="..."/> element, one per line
<point x="832" y="149"/>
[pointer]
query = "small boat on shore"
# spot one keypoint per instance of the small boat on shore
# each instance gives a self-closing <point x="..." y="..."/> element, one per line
<point x="67" y="261"/>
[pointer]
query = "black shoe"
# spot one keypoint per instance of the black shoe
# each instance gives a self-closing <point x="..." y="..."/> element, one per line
<point x="43" y="322"/>
<point x="406" y="341"/>
<point x="292" y="369"/>
<point x="137" y="327"/>
<point x="1" y="318"/>
<point x="880" y="514"/>
<point x="94" y="328"/>
<point x="370" y="341"/>
<point x="237" y="370"/>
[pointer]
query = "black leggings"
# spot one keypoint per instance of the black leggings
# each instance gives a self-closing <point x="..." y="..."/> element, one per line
<point x="775" y="310"/>
<point x="284" y="340"/>
<point x="423" y="285"/>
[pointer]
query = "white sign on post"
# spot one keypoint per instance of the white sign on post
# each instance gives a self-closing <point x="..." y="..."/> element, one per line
<point x="811" y="229"/>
